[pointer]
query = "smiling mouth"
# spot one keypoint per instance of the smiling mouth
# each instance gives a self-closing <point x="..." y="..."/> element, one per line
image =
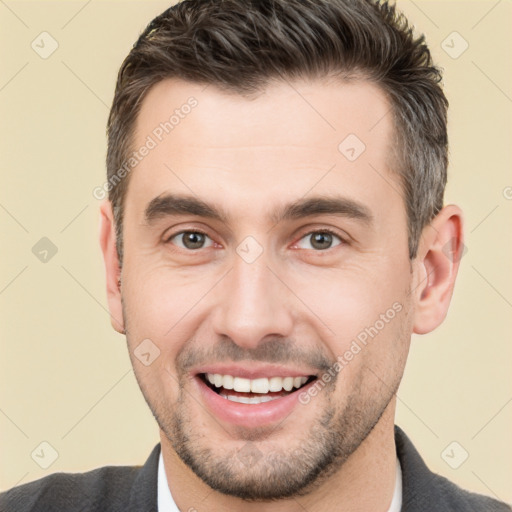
<point x="254" y="391"/>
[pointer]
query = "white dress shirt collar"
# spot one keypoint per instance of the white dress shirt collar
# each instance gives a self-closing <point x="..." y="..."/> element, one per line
<point x="166" y="502"/>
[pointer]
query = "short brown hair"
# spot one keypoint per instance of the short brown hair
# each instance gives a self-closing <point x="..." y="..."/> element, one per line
<point x="240" y="45"/>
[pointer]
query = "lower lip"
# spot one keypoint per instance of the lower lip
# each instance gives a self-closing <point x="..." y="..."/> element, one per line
<point x="249" y="415"/>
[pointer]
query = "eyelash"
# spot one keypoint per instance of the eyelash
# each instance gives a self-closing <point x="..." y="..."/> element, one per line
<point x="323" y="231"/>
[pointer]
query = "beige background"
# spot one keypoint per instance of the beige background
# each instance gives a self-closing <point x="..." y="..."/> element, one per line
<point x="65" y="374"/>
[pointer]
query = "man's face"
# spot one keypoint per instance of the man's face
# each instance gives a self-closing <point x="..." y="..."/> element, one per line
<point x="257" y="296"/>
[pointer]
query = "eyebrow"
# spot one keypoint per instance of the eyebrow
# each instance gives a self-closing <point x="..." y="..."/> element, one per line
<point x="175" y="204"/>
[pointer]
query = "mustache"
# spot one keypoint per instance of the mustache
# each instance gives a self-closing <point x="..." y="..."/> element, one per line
<point x="275" y="350"/>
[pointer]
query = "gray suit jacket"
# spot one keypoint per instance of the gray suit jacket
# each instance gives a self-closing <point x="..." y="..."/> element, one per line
<point x="134" y="489"/>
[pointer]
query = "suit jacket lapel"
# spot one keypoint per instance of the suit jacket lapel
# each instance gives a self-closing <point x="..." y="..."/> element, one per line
<point x="143" y="495"/>
<point x="419" y="484"/>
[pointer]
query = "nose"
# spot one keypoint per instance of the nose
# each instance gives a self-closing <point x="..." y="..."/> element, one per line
<point x="252" y="304"/>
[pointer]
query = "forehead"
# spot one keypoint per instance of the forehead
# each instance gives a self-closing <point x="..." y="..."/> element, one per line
<point x="283" y="142"/>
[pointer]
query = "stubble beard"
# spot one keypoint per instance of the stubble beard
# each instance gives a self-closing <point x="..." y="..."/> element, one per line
<point x="256" y="468"/>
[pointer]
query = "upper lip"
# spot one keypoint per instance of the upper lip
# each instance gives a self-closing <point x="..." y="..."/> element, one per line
<point x="255" y="371"/>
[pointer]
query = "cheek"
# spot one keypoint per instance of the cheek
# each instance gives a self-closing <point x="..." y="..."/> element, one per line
<point x="349" y="301"/>
<point x="159" y="299"/>
<point x="166" y="308"/>
<point x="372" y="358"/>
<point x="371" y="323"/>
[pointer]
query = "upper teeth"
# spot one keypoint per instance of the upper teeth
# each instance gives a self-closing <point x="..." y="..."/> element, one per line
<point x="262" y="385"/>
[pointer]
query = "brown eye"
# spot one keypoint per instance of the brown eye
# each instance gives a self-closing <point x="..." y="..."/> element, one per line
<point x="191" y="240"/>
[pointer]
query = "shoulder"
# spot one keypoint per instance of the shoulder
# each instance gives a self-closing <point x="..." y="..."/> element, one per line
<point x="423" y="490"/>
<point x="106" y="488"/>
<point x="457" y="499"/>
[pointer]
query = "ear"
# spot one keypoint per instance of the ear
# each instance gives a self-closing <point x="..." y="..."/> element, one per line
<point x="437" y="262"/>
<point x="107" y="238"/>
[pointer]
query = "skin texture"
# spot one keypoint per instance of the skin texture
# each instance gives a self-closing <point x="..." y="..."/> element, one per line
<point x="298" y="304"/>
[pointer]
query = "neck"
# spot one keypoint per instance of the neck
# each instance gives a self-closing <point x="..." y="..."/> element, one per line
<point x="364" y="483"/>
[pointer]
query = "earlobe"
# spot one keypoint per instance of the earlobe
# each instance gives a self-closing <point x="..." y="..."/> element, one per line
<point x="107" y="239"/>
<point x="437" y="263"/>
